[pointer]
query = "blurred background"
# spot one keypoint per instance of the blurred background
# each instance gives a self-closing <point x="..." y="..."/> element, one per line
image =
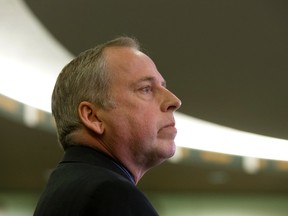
<point x="225" y="59"/>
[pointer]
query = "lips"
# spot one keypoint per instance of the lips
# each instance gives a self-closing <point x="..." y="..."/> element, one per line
<point x="169" y="125"/>
<point x="169" y="129"/>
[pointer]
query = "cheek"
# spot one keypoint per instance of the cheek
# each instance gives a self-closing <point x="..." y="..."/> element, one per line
<point x="135" y="121"/>
<point x="147" y="123"/>
<point x="143" y="130"/>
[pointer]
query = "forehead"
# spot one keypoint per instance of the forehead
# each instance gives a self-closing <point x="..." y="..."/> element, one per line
<point x="120" y="57"/>
<point x="125" y="63"/>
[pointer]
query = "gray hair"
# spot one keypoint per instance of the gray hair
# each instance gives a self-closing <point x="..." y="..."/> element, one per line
<point x="85" y="78"/>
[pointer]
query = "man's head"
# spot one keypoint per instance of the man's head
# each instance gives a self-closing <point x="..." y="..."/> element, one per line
<point x="119" y="100"/>
<point x="85" y="78"/>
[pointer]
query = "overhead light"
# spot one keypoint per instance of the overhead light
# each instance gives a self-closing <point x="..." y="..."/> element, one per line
<point x="30" y="58"/>
<point x="202" y="135"/>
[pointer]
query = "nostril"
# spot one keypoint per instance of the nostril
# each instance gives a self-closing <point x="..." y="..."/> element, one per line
<point x="172" y="108"/>
<point x="175" y="105"/>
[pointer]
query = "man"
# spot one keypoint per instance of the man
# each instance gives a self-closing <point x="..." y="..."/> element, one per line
<point x="114" y="118"/>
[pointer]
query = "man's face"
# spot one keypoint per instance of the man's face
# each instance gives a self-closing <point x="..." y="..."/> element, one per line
<point x="141" y="124"/>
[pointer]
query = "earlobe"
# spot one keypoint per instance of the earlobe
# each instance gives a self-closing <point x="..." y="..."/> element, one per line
<point x="88" y="115"/>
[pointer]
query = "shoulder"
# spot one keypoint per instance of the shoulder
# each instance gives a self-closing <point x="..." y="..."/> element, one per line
<point x="119" y="198"/>
<point x="92" y="190"/>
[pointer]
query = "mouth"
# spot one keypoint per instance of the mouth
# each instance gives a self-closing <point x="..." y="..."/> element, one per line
<point x="168" y="129"/>
<point x="172" y="124"/>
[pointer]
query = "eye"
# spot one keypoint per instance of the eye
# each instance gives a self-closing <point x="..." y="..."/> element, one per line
<point x="146" y="89"/>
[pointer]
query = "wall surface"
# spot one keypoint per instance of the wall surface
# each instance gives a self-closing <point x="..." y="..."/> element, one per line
<point x="172" y="204"/>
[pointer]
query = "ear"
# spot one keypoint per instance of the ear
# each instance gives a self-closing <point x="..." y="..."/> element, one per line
<point x="88" y="115"/>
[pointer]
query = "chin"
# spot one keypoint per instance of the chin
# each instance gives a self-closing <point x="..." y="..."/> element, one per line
<point x="173" y="149"/>
<point x="170" y="152"/>
<point x="171" y="155"/>
<point x="160" y="157"/>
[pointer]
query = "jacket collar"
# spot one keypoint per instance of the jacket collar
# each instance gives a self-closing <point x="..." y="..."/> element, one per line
<point x="85" y="154"/>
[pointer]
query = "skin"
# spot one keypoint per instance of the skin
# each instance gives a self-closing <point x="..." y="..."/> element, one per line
<point x="139" y="130"/>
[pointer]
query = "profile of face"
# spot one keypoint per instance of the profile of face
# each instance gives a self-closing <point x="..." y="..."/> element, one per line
<point x="142" y="122"/>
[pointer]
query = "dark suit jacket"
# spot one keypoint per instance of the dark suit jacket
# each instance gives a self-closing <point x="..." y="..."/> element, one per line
<point x="90" y="183"/>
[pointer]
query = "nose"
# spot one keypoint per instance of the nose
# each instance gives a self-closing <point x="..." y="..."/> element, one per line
<point x="171" y="102"/>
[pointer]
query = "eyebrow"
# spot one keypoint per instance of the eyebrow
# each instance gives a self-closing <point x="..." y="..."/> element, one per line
<point x="152" y="79"/>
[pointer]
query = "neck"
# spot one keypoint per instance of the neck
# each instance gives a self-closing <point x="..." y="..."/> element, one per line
<point x="124" y="161"/>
